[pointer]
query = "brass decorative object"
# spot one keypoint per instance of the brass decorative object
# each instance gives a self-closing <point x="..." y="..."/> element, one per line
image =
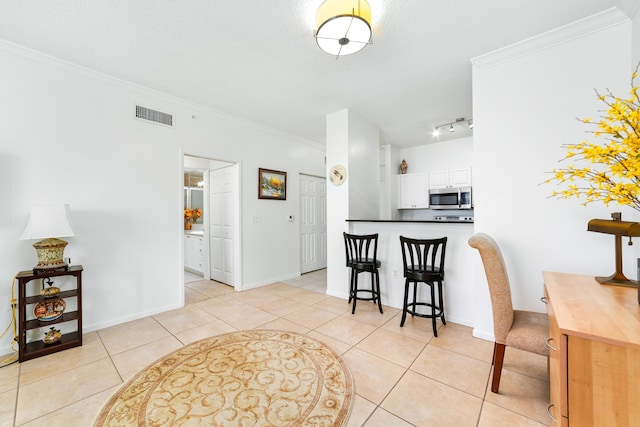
<point x="403" y="167"/>
<point x="618" y="228"/>
<point x="52" y="336"/>
<point x="49" y="292"/>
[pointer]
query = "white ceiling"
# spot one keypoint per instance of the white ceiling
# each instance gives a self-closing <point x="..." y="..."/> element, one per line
<point x="257" y="59"/>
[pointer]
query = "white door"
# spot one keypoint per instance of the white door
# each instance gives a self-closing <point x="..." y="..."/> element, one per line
<point x="222" y="224"/>
<point x="313" y="223"/>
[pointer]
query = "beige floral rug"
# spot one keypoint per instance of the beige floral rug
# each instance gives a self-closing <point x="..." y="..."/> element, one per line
<point x="247" y="378"/>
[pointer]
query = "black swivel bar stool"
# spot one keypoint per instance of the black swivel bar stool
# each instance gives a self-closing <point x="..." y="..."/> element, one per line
<point x="361" y="254"/>
<point x="423" y="263"/>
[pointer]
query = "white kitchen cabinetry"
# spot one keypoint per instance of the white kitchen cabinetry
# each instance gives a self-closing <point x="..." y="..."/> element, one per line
<point x="194" y="252"/>
<point x="460" y="177"/>
<point x="414" y="188"/>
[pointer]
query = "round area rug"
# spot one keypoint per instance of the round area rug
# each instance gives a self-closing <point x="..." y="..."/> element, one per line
<point x="247" y="378"/>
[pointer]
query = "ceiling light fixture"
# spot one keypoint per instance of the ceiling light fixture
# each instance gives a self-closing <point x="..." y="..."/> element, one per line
<point x="343" y="27"/>
<point x="459" y="121"/>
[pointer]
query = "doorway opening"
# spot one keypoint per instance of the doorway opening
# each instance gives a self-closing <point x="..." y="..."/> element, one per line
<point x="212" y="240"/>
<point x="313" y="223"/>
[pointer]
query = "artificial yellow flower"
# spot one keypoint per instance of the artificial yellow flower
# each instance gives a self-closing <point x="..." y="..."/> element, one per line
<point x="612" y="174"/>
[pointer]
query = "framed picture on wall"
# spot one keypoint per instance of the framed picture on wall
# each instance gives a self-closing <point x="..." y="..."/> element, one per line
<point x="272" y="184"/>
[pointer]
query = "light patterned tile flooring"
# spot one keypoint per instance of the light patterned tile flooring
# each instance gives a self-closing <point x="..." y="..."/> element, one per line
<point x="403" y="376"/>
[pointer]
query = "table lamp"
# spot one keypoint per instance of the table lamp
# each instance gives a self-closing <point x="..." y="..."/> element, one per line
<point x="49" y="222"/>
<point x="618" y="228"/>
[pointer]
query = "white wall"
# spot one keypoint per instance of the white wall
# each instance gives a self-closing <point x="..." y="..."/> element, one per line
<point x="526" y="99"/>
<point x="354" y="143"/>
<point x="452" y="154"/>
<point x="68" y="135"/>
<point x="364" y="166"/>
<point x="632" y="9"/>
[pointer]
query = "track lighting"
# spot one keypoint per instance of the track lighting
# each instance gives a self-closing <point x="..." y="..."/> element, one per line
<point x="459" y="121"/>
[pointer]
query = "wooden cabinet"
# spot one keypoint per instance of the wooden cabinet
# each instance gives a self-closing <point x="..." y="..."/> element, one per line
<point x="558" y="407"/>
<point x="460" y="177"/>
<point x="31" y="328"/>
<point x="594" y="362"/>
<point x="414" y="191"/>
<point x="194" y="258"/>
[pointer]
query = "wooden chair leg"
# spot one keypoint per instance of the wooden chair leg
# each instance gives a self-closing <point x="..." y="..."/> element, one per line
<point x="444" y="321"/>
<point x="406" y="301"/>
<point x="351" y="285"/>
<point x="355" y="292"/>
<point x="498" y="357"/>
<point x="415" y="295"/>
<point x="433" y="310"/>
<point x="377" y="290"/>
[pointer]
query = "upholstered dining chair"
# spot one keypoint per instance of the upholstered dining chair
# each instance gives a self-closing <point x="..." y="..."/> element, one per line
<point x="525" y="330"/>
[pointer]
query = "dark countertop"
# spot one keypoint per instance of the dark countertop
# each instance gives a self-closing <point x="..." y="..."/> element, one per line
<point x="428" y="221"/>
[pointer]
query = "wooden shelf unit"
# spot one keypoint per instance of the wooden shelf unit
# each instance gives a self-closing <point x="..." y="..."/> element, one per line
<point x="37" y="348"/>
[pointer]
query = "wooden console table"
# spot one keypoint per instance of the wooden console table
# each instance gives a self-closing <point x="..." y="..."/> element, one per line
<point x="36" y="348"/>
<point x="595" y="357"/>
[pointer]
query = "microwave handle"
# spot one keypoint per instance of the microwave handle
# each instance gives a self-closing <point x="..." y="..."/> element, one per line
<point x="459" y="198"/>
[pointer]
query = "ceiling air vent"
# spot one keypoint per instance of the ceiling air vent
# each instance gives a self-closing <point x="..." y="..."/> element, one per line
<point x="154" y="116"/>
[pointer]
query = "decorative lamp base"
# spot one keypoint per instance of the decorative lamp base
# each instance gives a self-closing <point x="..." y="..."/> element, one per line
<point x="612" y="280"/>
<point x="617" y="281"/>
<point x="50" y="255"/>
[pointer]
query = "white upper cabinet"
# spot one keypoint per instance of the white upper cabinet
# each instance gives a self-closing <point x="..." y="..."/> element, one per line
<point x="414" y="189"/>
<point x="439" y="179"/>
<point x="460" y="177"/>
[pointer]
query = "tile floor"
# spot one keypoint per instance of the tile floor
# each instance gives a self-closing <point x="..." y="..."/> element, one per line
<point x="403" y="376"/>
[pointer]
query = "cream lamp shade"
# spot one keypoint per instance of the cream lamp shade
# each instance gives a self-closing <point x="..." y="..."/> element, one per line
<point x="343" y="27"/>
<point x="48" y="222"/>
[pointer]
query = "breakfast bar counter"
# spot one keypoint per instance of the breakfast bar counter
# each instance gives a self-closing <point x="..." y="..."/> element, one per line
<point x="458" y="281"/>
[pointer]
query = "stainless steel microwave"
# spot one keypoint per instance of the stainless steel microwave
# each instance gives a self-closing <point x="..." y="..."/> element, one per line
<point x="450" y="198"/>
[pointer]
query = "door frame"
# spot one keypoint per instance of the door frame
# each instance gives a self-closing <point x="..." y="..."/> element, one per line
<point x="237" y="197"/>
<point x="236" y="168"/>
<point x="319" y="178"/>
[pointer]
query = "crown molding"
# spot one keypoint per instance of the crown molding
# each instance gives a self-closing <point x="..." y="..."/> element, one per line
<point x="630" y="7"/>
<point x="594" y="23"/>
<point x="17" y="52"/>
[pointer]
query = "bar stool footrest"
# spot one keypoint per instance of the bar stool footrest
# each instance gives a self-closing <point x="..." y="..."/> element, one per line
<point x="413" y="312"/>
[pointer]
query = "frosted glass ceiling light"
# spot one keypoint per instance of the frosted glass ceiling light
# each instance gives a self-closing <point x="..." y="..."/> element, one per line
<point x="343" y="26"/>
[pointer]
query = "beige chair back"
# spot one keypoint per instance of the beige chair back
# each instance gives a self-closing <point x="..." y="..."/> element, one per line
<point x="498" y="282"/>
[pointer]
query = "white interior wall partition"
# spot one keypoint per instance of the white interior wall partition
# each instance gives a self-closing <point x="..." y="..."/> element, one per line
<point x="354" y="143"/>
<point x="526" y="99"/>
<point x="69" y="136"/>
<point x="337" y="152"/>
